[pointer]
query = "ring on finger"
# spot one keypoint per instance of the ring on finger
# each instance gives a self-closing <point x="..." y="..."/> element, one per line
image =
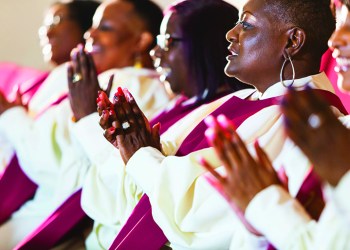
<point x="314" y="121"/>
<point x="76" y="77"/>
<point x="126" y="125"/>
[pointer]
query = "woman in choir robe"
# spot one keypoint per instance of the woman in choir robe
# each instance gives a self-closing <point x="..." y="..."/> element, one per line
<point x="46" y="146"/>
<point x="195" y="76"/>
<point x="324" y="139"/>
<point x="274" y="45"/>
<point x="63" y="28"/>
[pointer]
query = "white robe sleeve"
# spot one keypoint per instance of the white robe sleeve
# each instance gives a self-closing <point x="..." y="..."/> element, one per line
<point x="190" y="212"/>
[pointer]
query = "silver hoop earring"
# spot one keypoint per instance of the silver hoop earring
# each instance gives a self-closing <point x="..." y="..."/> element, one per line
<point x="282" y="69"/>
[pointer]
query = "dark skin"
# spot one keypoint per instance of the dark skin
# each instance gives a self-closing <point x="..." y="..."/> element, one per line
<point x="241" y="168"/>
<point x="83" y="93"/>
<point x="6" y="104"/>
<point x="113" y="115"/>
<point x="252" y="39"/>
<point x="326" y="146"/>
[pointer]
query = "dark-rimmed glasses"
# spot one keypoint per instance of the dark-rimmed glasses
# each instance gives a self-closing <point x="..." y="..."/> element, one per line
<point x="165" y="41"/>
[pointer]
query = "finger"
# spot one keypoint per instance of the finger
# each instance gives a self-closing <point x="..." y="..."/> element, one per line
<point x="18" y="99"/>
<point x="236" y="143"/>
<point x="134" y="113"/>
<point x="155" y="133"/>
<point x="83" y="64"/>
<point x="320" y="106"/>
<point x="204" y="163"/>
<point x="75" y="61"/>
<point x="120" y="101"/>
<point x="92" y="67"/>
<point x="263" y="158"/>
<point x="70" y="73"/>
<point x="103" y="102"/>
<point x="109" y="86"/>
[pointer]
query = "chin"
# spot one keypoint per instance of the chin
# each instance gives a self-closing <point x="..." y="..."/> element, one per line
<point x="344" y="84"/>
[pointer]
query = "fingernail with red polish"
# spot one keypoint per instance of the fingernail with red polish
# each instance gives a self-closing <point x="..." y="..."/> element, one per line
<point x="128" y="95"/>
<point x="120" y="92"/>
<point x="210" y="121"/>
<point x="223" y="121"/>
<point x="209" y="133"/>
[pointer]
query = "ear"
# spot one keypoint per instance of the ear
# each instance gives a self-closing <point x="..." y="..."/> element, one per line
<point x="145" y="42"/>
<point x="296" y="40"/>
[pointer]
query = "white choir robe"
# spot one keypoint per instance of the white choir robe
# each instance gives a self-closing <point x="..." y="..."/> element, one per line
<point x="291" y="230"/>
<point x="49" y="151"/>
<point x="191" y="214"/>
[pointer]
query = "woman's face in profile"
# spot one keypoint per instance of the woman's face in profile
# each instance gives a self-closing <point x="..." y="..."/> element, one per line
<point x="340" y="43"/>
<point x="59" y="34"/>
<point x="169" y="56"/>
<point x="256" y="47"/>
<point x="113" y="36"/>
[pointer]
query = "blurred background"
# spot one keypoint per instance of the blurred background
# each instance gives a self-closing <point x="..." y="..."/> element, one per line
<point x="20" y="20"/>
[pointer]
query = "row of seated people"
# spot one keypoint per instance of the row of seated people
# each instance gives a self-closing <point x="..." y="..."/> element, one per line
<point x="144" y="173"/>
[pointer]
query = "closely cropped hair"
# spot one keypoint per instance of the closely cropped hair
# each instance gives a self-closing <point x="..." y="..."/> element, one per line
<point x="313" y="16"/>
<point x="82" y="12"/>
<point x="151" y="14"/>
<point x="204" y="24"/>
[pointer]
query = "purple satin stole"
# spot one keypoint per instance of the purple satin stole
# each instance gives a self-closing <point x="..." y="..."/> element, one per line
<point x="137" y="230"/>
<point x="169" y="117"/>
<point x="15" y="187"/>
<point x="53" y="230"/>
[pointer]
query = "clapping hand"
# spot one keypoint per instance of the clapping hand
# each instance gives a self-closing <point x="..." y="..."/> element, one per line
<point x="245" y="176"/>
<point x="83" y="83"/>
<point x="5" y="104"/>
<point x="125" y="125"/>
<point x="312" y="125"/>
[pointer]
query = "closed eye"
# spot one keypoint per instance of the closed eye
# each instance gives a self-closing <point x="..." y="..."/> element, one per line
<point x="245" y="25"/>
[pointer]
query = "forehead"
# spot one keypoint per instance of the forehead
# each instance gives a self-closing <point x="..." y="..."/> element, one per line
<point x="259" y="8"/>
<point x="58" y="9"/>
<point x="119" y="12"/>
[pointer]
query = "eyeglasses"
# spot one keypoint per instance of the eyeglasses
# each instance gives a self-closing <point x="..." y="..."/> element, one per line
<point x="51" y="22"/>
<point x="165" y="41"/>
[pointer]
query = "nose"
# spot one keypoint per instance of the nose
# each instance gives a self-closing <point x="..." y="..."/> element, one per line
<point x="90" y="33"/>
<point x="232" y="34"/>
<point x="339" y="38"/>
<point x="156" y="54"/>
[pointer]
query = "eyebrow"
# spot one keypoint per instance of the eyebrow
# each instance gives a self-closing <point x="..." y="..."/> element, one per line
<point x="244" y="12"/>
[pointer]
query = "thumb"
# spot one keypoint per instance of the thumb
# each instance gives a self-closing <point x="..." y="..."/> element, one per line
<point x="156" y="135"/>
<point x="109" y="86"/>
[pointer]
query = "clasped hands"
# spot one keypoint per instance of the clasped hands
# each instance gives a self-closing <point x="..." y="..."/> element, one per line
<point x="5" y="104"/>
<point x="83" y="83"/>
<point x="125" y="126"/>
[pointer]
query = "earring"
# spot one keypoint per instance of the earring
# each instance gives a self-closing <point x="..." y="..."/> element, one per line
<point x="282" y="69"/>
<point x="138" y="63"/>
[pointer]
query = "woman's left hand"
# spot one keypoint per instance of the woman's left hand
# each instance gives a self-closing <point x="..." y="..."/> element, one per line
<point x="245" y="176"/>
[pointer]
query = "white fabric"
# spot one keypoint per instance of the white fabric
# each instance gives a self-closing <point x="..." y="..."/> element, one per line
<point x="48" y="150"/>
<point x="181" y="201"/>
<point x="295" y="231"/>
<point x="191" y="214"/>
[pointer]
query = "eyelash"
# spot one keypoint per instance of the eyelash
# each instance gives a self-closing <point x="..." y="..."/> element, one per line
<point x="245" y="25"/>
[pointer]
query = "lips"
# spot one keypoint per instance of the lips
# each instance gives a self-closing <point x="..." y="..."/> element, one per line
<point x="343" y="64"/>
<point x="232" y="51"/>
<point x="93" y="48"/>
